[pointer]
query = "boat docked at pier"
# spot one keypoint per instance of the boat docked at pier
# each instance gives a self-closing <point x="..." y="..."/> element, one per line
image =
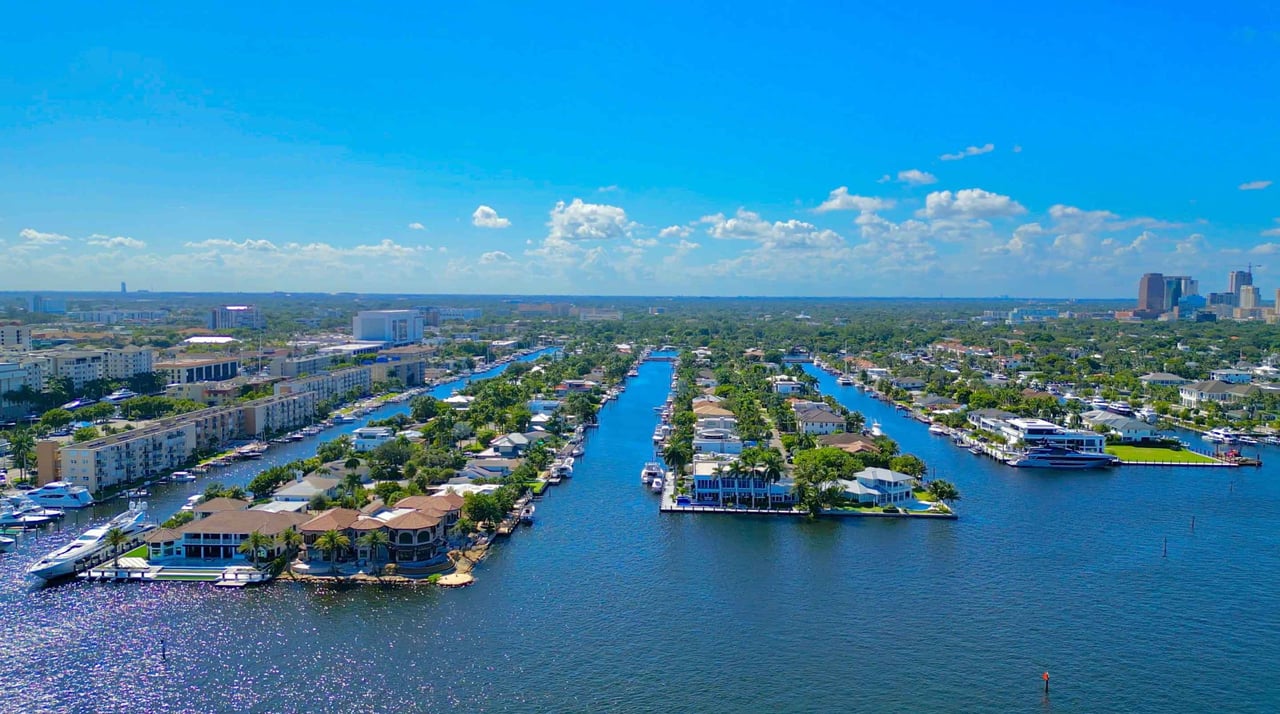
<point x="651" y="471"/>
<point x="845" y="380"/>
<point x="1221" y="435"/>
<point x="1057" y="457"/>
<point x="93" y="546"/>
<point x="21" y="512"/>
<point x="60" y="494"/>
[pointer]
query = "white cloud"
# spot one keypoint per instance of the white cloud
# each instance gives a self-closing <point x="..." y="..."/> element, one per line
<point x="416" y="226"/>
<point x="970" y="203"/>
<point x="1266" y="249"/>
<point x="226" y="244"/>
<point x="116" y="241"/>
<point x="916" y="177"/>
<point x="1017" y="149"/>
<point x="35" y="237"/>
<point x="675" y="232"/>
<point x="1254" y="185"/>
<point x="1272" y="232"/>
<point x="969" y="151"/>
<point x="644" y="242"/>
<point x="747" y="225"/>
<point x="608" y="189"/>
<point x="588" y="221"/>
<point x="494" y="256"/>
<point x="486" y="217"/>
<point x="841" y="200"/>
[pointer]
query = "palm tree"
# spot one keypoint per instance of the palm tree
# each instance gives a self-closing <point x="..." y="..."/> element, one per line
<point x="253" y="544"/>
<point x="116" y="539"/>
<point x="375" y="541"/>
<point x="944" y="491"/>
<point x="332" y="541"/>
<point x="772" y="466"/>
<point x="236" y="492"/>
<point x="21" y="443"/>
<point x="291" y="540"/>
<point x="678" y="454"/>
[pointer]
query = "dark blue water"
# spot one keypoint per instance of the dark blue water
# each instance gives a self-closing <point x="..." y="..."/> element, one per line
<point x="607" y="605"/>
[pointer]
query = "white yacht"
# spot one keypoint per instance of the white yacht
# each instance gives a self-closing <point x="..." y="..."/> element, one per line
<point x="1220" y="435"/>
<point x="875" y="429"/>
<point x="85" y="551"/>
<point x="845" y="380"/>
<point x="938" y="430"/>
<point x="1056" y="457"/>
<point x="656" y="485"/>
<point x="6" y="543"/>
<point x="182" y="477"/>
<point x="60" y="494"/>
<point x="563" y="469"/>
<point x="651" y="471"/>
<point x="21" y="516"/>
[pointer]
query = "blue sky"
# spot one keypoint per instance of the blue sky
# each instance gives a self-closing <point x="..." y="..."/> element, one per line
<point x="684" y="148"/>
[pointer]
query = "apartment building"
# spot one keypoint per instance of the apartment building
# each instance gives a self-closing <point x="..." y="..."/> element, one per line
<point x="166" y="445"/>
<point x="15" y="337"/>
<point x="331" y="385"/>
<point x="236" y="317"/>
<point x="15" y="376"/>
<point x="396" y="327"/>
<point x="279" y="413"/>
<point x="127" y="362"/>
<point x="199" y="370"/>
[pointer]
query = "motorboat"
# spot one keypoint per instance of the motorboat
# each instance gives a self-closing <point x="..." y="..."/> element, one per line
<point x="256" y="450"/>
<point x="1246" y="439"/>
<point x="845" y="380"/>
<point x="136" y="493"/>
<point x="656" y="485"/>
<point x="875" y="429"/>
<point x="526" y="514"/>
<point x="89" y="548"/>
<point x="192" y="502"/>
<point x="1057" y="457"/>
<point x="22" y="512"/>
<point x="577" y="451"/>
<point x="1220" y="435"/>
<point x="1148" y="415"/>
<point x="6" y="543"/>
<point x="938" y="430"/>
<point x="976" y="450"/>
<point x="182" y="477"/>
<point x="651" y="471"/>
<point x="563" y="469"/>
<point x="60" y="494"/>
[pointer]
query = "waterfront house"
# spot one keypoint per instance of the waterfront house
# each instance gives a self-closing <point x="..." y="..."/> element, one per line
<point x="574" y="386"/>
<point x="706" y="399"/>
<point x="543" y="406"/>
<point x="717" y="422"/>
<point x="934" y="402"/>
<point x="879" y="486"/>
<point x="1163" y="379"/>
<point x="989" y="419"/>
<point x="716" y="483"/>
<point x="368" y="438"/>
<point x="218" y="536"/>
<point x="851" y="443"/>
<point x="703" y="410"/>
<point x="716" y="441"/>
<point x="1231" y="376"/>
<point x="817" y="418"/>
<point x="459" y="402"/>
<point x="1128" y="429"/>
<point x="218" y="505"/>
<point x="1200" y="393"/>
<point x="1038" y="432"/>
<point x="783" y="384"/>
<point x="911" y="384"/>
<point x="164" y="544"/>
<point x="706" y="378"/>
<point x="307" y="488"/>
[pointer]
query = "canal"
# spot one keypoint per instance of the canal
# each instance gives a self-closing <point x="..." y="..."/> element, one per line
<point x="607" y="605"/>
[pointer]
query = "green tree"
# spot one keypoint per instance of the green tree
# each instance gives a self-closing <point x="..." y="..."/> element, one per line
<point x="331" y="542"/>
<point x="116" y="540"/>
<point x="87" y="433"/>
<point x="254" y="544"/>
<point x="375" y="541"/>
<point x="816" y="488"/>
<point x="909" y="465"/>
<point x="22" y="447"/>
<point x="944" y="491"/>
<point x="56" y="419"/>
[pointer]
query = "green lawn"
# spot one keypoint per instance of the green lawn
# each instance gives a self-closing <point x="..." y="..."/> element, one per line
<point x="140" y="552"/>
<point x="1158" y="453"/>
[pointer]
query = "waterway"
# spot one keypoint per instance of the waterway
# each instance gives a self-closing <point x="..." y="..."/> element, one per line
<point x="607" y="605"/>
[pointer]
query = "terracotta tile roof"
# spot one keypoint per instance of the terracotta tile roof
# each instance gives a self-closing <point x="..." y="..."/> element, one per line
<point x="439" y="504"/>
<point x="413" y="520"/>
<point x="334" y="519"/>
<point x="218" y="505"/>
<point x="246" y="522"/>
<point x="367" y="524"/>
<point x="162" y="535"/>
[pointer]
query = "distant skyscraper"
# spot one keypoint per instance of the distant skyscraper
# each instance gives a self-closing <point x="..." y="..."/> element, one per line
<point x="1249" y="296"/>
<point x="123" y="288"/>
<point x="1190" y="286"/>
<point x="1172" y="291"/>
<point x="1151" y="294"/>
<point x="1237" y="279"/>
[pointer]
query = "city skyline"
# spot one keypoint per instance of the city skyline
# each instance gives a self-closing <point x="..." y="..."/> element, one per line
<point x="521" y="154"/>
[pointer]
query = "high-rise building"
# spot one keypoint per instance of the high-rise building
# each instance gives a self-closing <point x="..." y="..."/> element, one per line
<point x="46" y="305"/>
<point x="1151" y="294"/>
<point x="1190" y="286"/>
<point x="1172" y="291"/>
<point x="396" y="327"/>
<point x="236" y="317"/>
<point x="123" y="288"/>
<point x="1237" y="279"/>
<point x="1249" y="296"/>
